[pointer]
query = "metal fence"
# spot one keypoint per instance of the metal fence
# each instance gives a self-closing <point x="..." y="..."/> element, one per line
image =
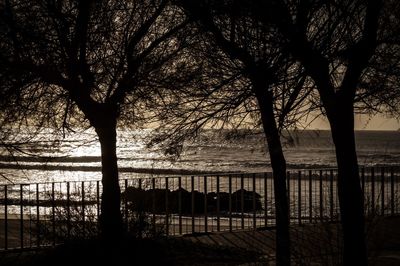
<point x="40" y="214"/>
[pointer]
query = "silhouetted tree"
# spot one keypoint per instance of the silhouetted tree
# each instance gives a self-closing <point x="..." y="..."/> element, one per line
<point x="346" y="48"/>
<point x="246" y="74"/>
<point x="67" y="64"/>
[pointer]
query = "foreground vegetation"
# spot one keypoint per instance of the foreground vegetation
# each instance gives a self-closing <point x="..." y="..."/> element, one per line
<point x="313" y="244"/>
<point x="131" y="251"/>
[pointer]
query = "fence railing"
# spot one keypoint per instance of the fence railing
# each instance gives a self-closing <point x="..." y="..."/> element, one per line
<point x="39" y="214"/>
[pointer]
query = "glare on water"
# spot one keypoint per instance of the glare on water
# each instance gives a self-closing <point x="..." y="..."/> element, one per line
<point x="78" y="156"/>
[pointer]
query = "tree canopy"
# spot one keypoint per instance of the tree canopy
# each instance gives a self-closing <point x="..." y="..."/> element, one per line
<point x="69" y="64"/>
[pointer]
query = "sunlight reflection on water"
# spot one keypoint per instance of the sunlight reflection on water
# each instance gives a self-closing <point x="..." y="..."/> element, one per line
<point x="78" y="156"/>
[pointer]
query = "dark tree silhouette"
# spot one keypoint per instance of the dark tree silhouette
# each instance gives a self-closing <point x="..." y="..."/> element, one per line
<point x="253" y="77"/>
<point x="67" y="64"/>
<point x="344" y="46"/>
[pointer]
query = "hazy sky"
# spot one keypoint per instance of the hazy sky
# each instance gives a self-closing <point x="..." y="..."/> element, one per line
<point x="363" y="122"/>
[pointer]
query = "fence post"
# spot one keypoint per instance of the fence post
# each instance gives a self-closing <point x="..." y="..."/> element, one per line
<point x="331" y="204"/>
<point x="37" y="216"/>
<point x="299" y="196"/>
<point x="382" y="190"/>
<point x="126" y="205"/>
<point x="392" y="190"/>
<point x="321" y="207"/>
<point x="254" y="203"/>
<point x="230" y="202"/>
<point x="166" y="208"/>
<point x="98" y="199"/>
<point x="68" y="211"/>
<point x="310" y="195"/>
<point x="193" y="205"/>
<point x="5" y="217"/>
<point x="363" y="188"/>
<point x="205" y="205"/>
<point x="218" y="206"/>
<point x="265" y="199"/>
<point x="180" y="204"/>
<point x="373" y="190"/>
<point x="288" y="195"/>
<point x="53" y="214"/>
<point x="242" y="200"/>
<point x="21" y="217"/>
<point x="363" y="181"/>
<point x="83" y="210"/>
<point x="153" y="185"/>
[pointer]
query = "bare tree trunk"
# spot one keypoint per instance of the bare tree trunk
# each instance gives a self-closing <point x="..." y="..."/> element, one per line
<point x="349" y="189"/>
<point x="278" y="164"/>
<point x="110" y="219"/>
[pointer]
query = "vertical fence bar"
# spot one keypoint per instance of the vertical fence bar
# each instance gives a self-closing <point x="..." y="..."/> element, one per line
<point x="212" y="206"/>
<point x="166" y="208"/>
<point x="205" y="205"/>
<point x="141" y="203"/>
<point x="68" y="211"/>
<point x="5" y="217"/>
<point x="242" y="200"/>
<point x="21" y="233"/>
<point x="299" y="196"/>
<point x="363" y="188"/>
<point x="83" y="210"/>
<point x="180" y="204"/>
<point x="230" y="202"/>
<point x="30" y="215"/>
<point x="321" y="208"/>
<point x="193" y="201"/>
<point x="98" y="200"/>
<point x="288" y="195"/>
<point x="310" y="197"/>
<point x="373" y="190"/>
<point x="126" y="205"/>
<point x="397" y="189"/>
<point x="331" y="204"/>
<point x="254" y="203"/>
<point x="172" y="218"/>
<point x="37" y="216"/>
<point x="382" y="190"/>
<point x="53" y="214"/>
<point x="363" y="181"/>
<point x="392" y="190"/>
<point x="218" y="207"/>
<point x="29" y="203"/>
<point x="265" y="199"/>
<point x="153" y="185"/>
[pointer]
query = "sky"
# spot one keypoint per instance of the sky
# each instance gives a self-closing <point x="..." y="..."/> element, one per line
<point x="362" y="122"/>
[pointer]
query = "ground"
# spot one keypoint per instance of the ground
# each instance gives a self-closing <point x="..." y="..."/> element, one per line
<point x="168" y="251"/>
<point x="313" y="244"/>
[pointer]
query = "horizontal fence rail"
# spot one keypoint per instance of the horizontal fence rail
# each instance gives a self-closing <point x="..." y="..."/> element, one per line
<point x="43" y="214"/>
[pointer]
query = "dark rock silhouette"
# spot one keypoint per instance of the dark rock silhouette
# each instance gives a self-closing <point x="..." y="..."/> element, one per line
<point x="162" y="200"/>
